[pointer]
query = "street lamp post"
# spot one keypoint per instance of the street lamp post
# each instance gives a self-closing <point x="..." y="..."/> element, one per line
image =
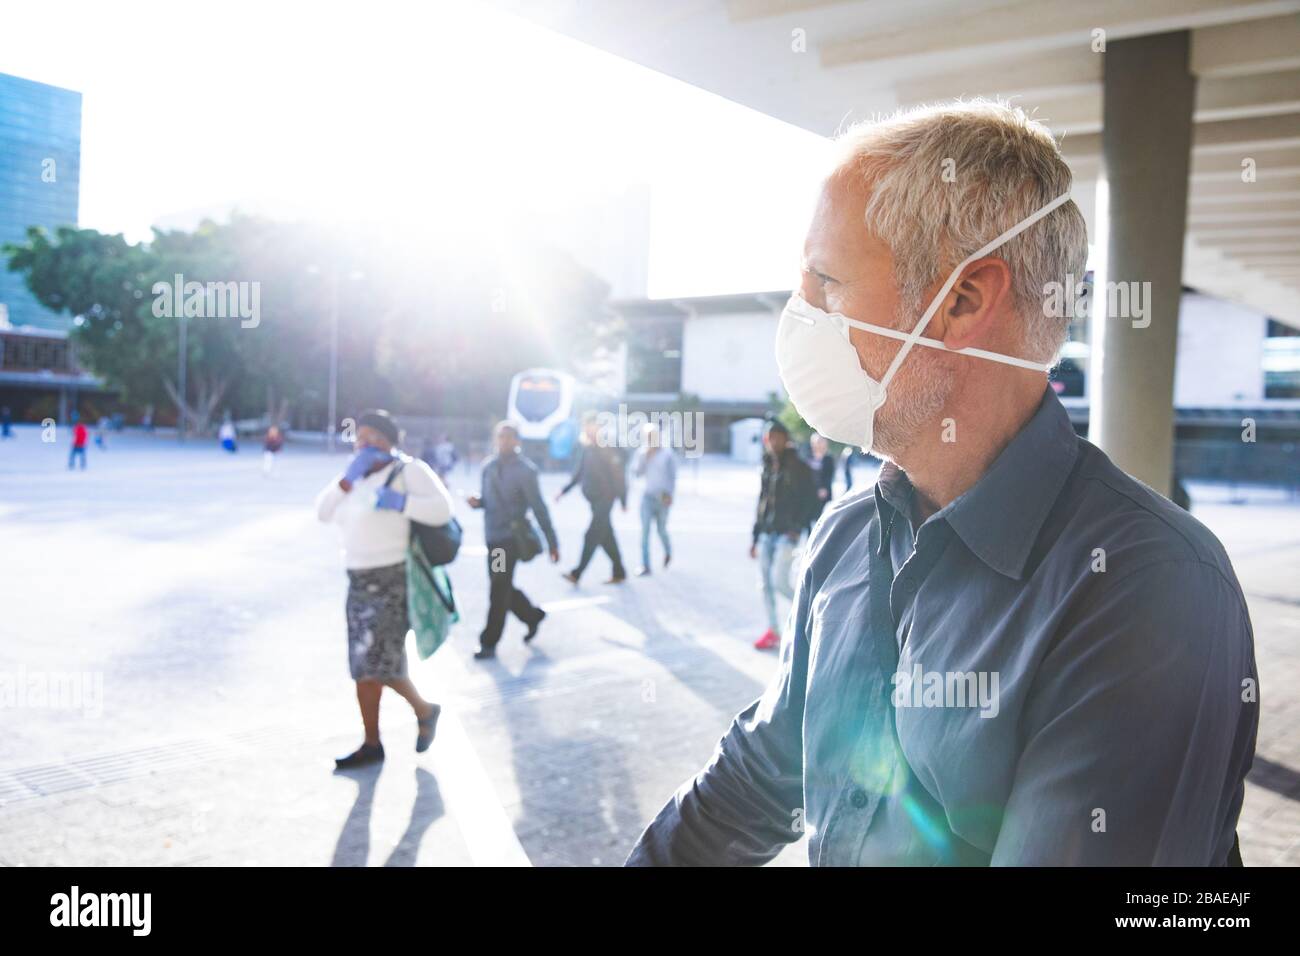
<point x="331" y="434"/>
<point x="181" y="365"/>
<point x="334" y="356"/>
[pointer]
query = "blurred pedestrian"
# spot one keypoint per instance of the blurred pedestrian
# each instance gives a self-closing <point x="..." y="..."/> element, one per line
<point x="509" y="492"/>
<point x="445" y="456"/>
<point x="786" y="502"/>
<point x="559" y="447"/>
<point x="226" y="435"/>
<point x="80" y="436"/>
<point x="6" y="422"/>
<point x="600" y="472"/>
<point x="271" y="446"/>
<point x="823" y="466"/>
<point x="101" y="430"/>
<point x="375" y="519"/>
<point x="426" y="452"/>
<point x="849" y="454"/>
<point x="657" y="463"/>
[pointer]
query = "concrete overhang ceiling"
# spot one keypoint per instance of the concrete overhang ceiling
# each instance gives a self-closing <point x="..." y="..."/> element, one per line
<point x="861" y="58"/>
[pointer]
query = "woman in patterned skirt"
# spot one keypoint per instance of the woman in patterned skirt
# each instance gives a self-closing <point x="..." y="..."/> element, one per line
<point x="374" y="516"/>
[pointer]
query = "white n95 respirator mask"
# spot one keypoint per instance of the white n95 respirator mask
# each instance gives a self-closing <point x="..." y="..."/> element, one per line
<point x="819" y="366"/>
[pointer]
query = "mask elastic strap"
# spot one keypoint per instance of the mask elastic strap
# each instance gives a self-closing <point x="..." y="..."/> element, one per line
<point x="915" y="335"/>
<point x="936" y="344"/>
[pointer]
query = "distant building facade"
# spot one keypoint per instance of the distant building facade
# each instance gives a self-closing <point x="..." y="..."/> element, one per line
<point x="40" y="377"/>
<point x="40" y="180"/>
<point x="714" y="354"/>
<point x="711" y="354"/>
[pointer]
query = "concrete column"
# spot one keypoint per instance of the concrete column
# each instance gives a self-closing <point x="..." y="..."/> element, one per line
<point x="1146" y="147"/>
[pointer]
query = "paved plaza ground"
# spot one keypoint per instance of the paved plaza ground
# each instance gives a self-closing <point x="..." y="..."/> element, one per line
<point x="207" y="602"/>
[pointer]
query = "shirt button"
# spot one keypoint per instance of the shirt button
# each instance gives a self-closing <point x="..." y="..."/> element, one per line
<point x="858" y="799"/>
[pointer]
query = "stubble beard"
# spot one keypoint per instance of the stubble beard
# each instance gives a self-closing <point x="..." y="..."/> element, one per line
<point x="919" y="392"/>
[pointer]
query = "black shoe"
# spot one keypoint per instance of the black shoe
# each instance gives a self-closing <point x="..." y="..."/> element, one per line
<point x="485" y="653"/>
<point x="667" y="558"/>
<point x="532" y="628"/>
<point x="427" y="727"/>
<point x="363" y="757"/>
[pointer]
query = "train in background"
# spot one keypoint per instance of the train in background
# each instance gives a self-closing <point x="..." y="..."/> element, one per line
<point x="547" y="406"/>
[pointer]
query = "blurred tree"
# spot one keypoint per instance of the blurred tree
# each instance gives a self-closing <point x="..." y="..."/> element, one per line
<point x="103" y="282"/>
<point x="107" y="286"/>
<point x="788" y="415"/>
<point x="435" y="327"/>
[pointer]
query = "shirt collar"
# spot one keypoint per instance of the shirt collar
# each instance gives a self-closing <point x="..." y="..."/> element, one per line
<point x="999" y="517"/>
<point x="895" y="489"/>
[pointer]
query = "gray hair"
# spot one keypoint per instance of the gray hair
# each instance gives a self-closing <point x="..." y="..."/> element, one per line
<point x="947" y="179"/>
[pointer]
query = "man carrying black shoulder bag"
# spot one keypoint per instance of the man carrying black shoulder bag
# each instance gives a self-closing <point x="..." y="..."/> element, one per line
<point x="510" y="491"/>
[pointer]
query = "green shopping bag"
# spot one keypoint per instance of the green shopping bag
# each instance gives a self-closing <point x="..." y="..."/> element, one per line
<point x="430" y="603"/>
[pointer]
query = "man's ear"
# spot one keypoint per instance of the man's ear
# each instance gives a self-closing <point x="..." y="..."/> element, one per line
<point x="974" y="303"/>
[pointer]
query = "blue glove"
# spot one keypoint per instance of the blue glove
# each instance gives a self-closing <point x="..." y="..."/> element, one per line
<point x="390" y="499"/>
<point x="365" y="459"/>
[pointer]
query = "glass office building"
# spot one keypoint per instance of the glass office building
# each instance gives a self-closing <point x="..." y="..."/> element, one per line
<point x="40" y="175"/>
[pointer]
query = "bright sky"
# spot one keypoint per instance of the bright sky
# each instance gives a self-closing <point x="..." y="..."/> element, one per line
<point x="386" y="109"/>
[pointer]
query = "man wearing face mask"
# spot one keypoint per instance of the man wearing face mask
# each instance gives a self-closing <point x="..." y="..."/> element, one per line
<point x="1009" y="651"/>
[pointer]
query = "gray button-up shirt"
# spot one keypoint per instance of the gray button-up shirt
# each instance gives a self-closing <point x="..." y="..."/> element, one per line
<point x="1058" y="669"/>
<point x="510" y="490"/>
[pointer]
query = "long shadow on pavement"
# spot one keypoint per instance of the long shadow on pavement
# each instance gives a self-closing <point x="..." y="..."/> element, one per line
<point x="579" y="806"/>
<point x="427" y="808"/>
<point x="353" y="846"/>
<point x="706" y="674"/>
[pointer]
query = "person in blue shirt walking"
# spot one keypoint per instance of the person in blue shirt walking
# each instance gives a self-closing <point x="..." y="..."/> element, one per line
<point x="655" y="462"/>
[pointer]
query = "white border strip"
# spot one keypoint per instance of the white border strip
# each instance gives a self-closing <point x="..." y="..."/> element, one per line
<point x="471" y="800"/>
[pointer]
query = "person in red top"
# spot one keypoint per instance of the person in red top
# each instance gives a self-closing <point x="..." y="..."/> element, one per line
<point x="270" y="448"/>
<point x="79" y="438"/>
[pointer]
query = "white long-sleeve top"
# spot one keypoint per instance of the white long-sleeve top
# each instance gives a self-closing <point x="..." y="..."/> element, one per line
<point x="377" y="537"/>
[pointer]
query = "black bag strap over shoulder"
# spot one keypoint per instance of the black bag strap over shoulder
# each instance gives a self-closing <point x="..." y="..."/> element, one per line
<point x="439" y="543"/>
<point x="449" y="599"/>
<point x="397" y="470"/>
